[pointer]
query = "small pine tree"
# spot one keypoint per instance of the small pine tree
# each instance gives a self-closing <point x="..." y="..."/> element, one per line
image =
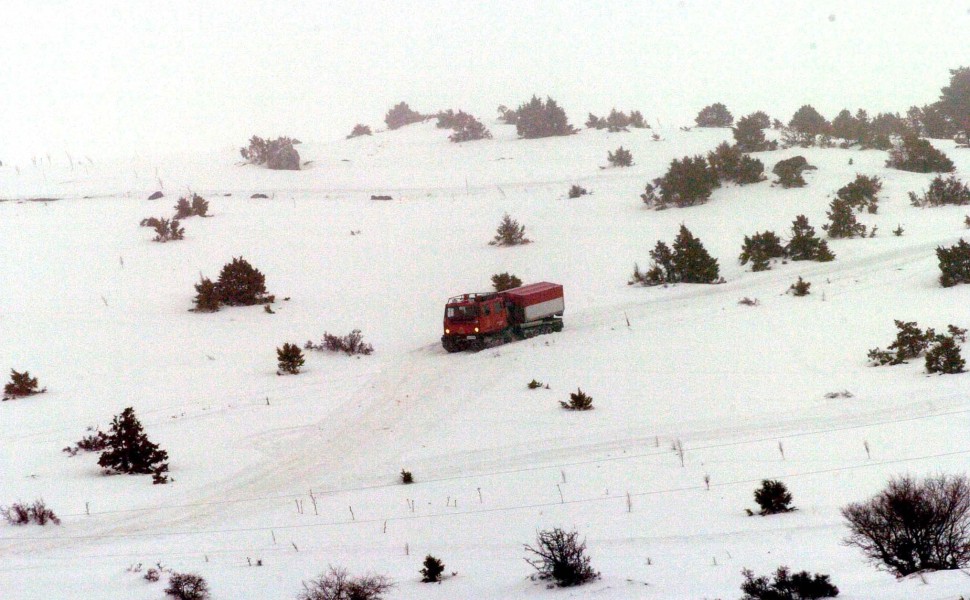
<point x="578" y="400"/>
<point x="729" y="164"/>
<point x="359" y="130"/>
<point x="206" y="298"/>
<point x="183" y="209"/>
<point x="944" y="357"/>
<point x="759" y="249"/>
<point x="942" y="192"/>
<point x="749" y="135"/>
<point x="21" y="384"/>
<point x="842" y="221"/>
<point x="773" y="497"/>
<point x="862" y="193"/>
<point x="692" y="263"/>
<point x="406" y="477"/>
<point x="800" y="287"/>
<point x="919" y="156"/>
<point x="576" y="191"/>
<point x="688" y="181"/>
<point x="621" y="158"/>
<point x="954" y="264"/>
<point x="805" y="245"/>
<point x="166" y="230"/>
<point x="787" y="586"/>
<point x="714" y="115"/>
<point x="432" y="570"/>
<point x="401" y="115"/>
<point x="538" y="119"/>
<point x="240" y="284"/>
<point x="806" y="125"/>
<point x="467" y="128"/>
<point x="200" y="206"/>
<point x="290" y="359"/>
<point x="509" y="233"/>
<point x="129" y="450"/>
<point x="505" y="281"/>
<point x="789" y="171"/>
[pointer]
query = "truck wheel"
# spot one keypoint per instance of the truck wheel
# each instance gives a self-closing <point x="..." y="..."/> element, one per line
<point x="451" y="345"/>
<point x="476" y="345"/>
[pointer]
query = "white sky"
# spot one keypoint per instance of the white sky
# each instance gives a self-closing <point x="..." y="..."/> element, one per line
<point x="99" y="77"/>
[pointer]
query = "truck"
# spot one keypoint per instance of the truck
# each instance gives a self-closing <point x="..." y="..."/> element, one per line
<point x="476" y="321"/>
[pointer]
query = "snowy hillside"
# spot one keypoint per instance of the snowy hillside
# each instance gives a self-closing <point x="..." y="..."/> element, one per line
<point x="301" y="472"/>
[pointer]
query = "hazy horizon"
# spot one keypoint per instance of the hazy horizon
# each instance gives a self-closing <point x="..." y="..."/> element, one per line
<point x="121" y="78"/>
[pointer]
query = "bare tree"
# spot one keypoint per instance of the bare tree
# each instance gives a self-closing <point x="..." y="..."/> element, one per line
<point x="562" y="557"/>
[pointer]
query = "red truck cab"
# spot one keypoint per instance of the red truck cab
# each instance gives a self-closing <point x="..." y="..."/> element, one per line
<point x="472" y="321"/>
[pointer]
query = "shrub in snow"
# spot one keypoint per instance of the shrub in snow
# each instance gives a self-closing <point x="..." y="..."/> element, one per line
<point x="406" y="477"/>
<point x="787" y="586"/>
<point x="842" y="221"/>
<point x="773" y="498"/>
<point x="789" y="171"/>
<point x="688" y="262"/>
<point x="509" y="233"/>
<point x="847" y="127"/>
<point x="919" y="156"/>
<point x="278" y="154"/>
<point x="805" y="126"/>
<point x="20" y="385"/>
<point x="129" y="449"/>
<point x="505" y="281"/>
<point x="578" y="401"/>
<point x="800" y="287"/>
<point x="197" y="207"/>
<point x="576" y="191"/>
<point x="688" y="181"/>
<point x="290" y="359"/>
<point x="351" y="344"/>
<point x="149" y="222"/>
<point x="730" y="164"/>
<point x="760" y="249"/>
<point x="538" y="119"/>
<point x="359" y="130"/>
<point x="432" y="570"/>
<point x="914" y="525"/>
<point x="621" y="158"/>
<point x="337" y="584"/>
<point x="749" y="135"/>
<point x="240" y="284"/>
<point x="446" y="119"/>
<point x="20" y="513"/>
<point x="862" y="193"/>
<point x="955" y="100"/>
<point x="535" y="384"/>
<point x="911" y="342"/>
<point x="401" y="115"/>
<point x="943" y="191"/>
<point x="944" y="357"/>
<point x="954" y="263"/>
<point x="714" y="115"/>
<point x="805" y="245"/>
<point x="187" y="586"/>
<point x="467" y="128"/>
<point x="560" y="556"/>
<point x="93" y="442"/>
<point x="166" y="231"/>
<point x="206" y="298"/>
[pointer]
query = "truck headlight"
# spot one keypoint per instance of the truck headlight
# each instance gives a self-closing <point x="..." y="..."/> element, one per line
<point x="476" y="330"/>
<point x="447" y="330"/>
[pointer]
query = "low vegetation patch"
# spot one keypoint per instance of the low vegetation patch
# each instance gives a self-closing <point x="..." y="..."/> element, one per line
<point x="578" y="400"/>
<point x="919" y="156"/>
<point x="941" y="351"/>
<point x="21" y="385"/>
<point x="862" y="193"/>
<point x="505" y="281"/>
<point x="942" y="192"/>
<point x="560" y="556"/>
<point x="187" y="586"/>
<point x="351" y="344"/>
<point x="20" y="513"/>
<point x="787" y="586"/>
<point x="954" y="263"/>
<point x="338" y="584"/>
<point x="687" y="262"/>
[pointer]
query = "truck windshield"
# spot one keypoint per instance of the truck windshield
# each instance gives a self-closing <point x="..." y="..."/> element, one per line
<point x="461" y="313"/>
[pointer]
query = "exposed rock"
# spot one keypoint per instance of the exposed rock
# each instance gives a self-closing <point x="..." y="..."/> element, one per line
<point x="156" y="196"/>
<point x="259" y="196"/>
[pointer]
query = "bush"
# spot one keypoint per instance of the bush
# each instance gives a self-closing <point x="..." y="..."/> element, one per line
<point x="538" y="119"/>
<point x="206" y="298"/>
<point x="166" y="231"/>
<point x="773" y="498"/>
<point x="505" y="281"/>
<point x="359" y="130"/>
<point x="240" y="284"/>
<point x="729" y="164"/>
<point x="945" y="357"/>
<point x="278" y="154"/>
<point x="911" y="342"/>
<point x="806" y="125"/>
<point x="714" y="115"/>
<point x="129" y="450"/>
<point x="954" y="263"/>
<point x="749" y="135"/>
<point x="560" y="556"/>
<point x="187" y="586"/>
<point x="352" y="343"/>
<point x="688" y="262"/>
<point x="290" y="359"/>
<point x="337" y="584"/>
<point x="94" y="442"/>
<point x="789" y="171"/>
<point x="862" y="193"/>
<point x="467" y="128"/>
<point x="21" y="514"/>
<point x="914" y="525"/>
<point x="535" y="384"/>
<point x="406" y="477"/>
<point x="578" y="401"/>
<point x="943" y="191"/>
<point x="688" y="182"/>
<point x="919" y="156"/>
<point x="621" y="158"/>
<point x="401" y="115"/>
<point x="955" y="100"/>
<point x="787" y="586"/>
<point x="198" y="207"/>
<point x="576" y="191"/>
<point x="800" y="287"/>
<point x="433" y="568"/>
<point x="21" y="384"/>
<point x="847" y="127"/>
<point x="509" y="233"/>
<point x="805" y="245"/>
<point x="842" y="221"/>
<point x="760" y="249"/>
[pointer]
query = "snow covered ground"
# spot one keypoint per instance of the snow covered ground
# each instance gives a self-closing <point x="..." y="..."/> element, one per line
<point x="301" y="472"/>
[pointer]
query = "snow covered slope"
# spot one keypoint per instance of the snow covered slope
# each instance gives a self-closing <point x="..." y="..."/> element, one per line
<point x="300" y="472"/>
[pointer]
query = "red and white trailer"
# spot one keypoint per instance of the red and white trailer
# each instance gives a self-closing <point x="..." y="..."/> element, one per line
<point x="475" y="321"/>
